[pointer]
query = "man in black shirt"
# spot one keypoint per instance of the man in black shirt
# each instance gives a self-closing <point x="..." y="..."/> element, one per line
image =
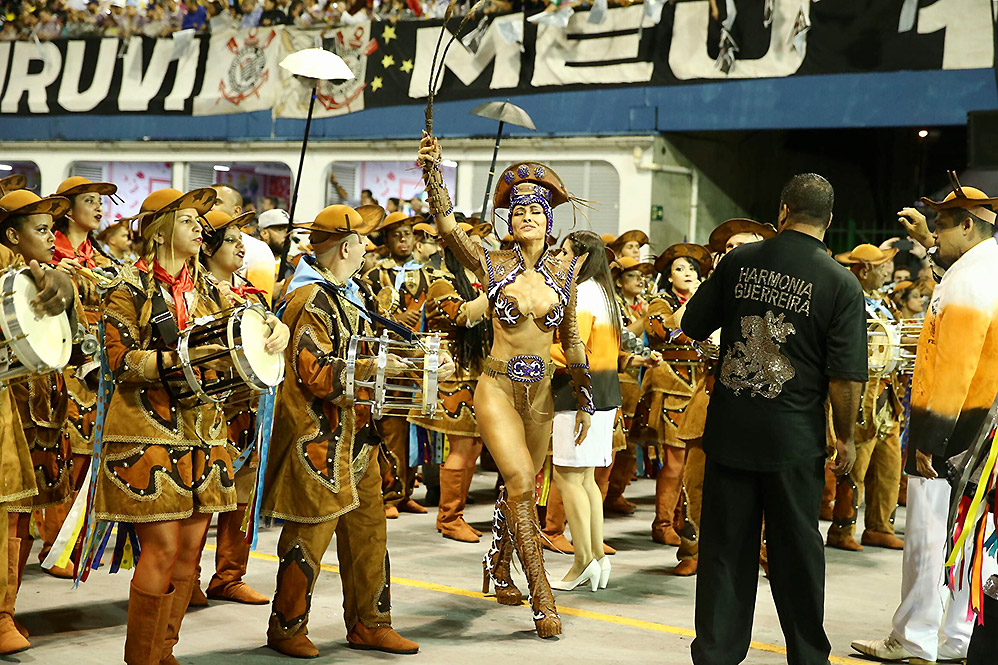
<point x="793" y="334"/>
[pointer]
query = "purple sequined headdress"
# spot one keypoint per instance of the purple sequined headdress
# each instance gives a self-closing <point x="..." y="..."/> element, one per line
<point x="525" y="190"/>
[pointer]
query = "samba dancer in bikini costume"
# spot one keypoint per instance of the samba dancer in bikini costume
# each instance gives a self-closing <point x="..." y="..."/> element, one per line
<point x="525" y="285"/>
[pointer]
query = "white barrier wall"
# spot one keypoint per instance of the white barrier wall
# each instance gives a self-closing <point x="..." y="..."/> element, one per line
<point x="647" y="172"/>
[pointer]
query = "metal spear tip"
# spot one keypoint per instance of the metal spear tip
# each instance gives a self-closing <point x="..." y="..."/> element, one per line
<point x="317" y="63"/>
<point x="510" y="114"/>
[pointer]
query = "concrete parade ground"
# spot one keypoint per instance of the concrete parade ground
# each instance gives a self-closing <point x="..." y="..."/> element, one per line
<point x="645" y="616"/>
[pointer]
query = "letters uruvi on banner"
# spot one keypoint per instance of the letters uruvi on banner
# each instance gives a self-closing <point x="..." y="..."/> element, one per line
<point x="651" y="44"/>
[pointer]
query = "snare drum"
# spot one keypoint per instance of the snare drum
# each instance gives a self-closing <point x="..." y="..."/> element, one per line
<point x="883" y="347"/>
<point x="243" y="333"/>
<point x="398" y="391"/>
<point x="32" y="343"/>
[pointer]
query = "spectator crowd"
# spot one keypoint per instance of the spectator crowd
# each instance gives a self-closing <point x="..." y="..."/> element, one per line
<point x="75" y="19"/>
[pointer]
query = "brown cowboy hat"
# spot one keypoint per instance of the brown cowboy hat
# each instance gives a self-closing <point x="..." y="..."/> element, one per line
<point x="608" y="239"/>
<point x="626" y="264"/>
<point x="901" y="287"/>
<point x="424" y="229"/>
<point x="698" y="253"/>
<point x="25" y="202"/>
<point x="719" y="236"/>
<point x="482" y="230"/>
<point x="340" y="220"/>
<point x="219" y="221"/>
<point x="633" y="235"/>
<point x="167" y="200"/>
<point x="80" y="185"/>
<point x="524" y="178"/>
<point x="970" y="199"/>
<point x="12" y="183"/>
<point x="397" y="218"/>
<point x="866" y="254"/>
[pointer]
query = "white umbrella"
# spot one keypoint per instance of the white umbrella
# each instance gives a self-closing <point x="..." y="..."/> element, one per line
<point x="311" y="65"/>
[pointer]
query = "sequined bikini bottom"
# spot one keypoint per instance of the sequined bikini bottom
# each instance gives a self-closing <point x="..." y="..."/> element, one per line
<point x="522" y="371"/>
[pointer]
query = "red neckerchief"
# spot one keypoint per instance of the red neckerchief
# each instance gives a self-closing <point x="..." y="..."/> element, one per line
<point x="682" y="299"/>
<point x="245" y="290"/>
<point x="64" y="250"/>
<point x="178" y="285"/>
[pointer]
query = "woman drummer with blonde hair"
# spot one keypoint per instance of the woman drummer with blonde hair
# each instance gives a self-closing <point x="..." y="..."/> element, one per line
<point x="165" y="466"/>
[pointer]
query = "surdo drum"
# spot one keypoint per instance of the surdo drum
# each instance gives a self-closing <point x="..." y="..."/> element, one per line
<point x="243" y="333"/>
<point x="396" y="391"/>
<point x="32" y="343"/>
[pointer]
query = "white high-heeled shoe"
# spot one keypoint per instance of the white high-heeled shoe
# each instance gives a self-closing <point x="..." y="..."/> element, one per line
<point x="604" y="571"/>
<point x="590" y="575"/>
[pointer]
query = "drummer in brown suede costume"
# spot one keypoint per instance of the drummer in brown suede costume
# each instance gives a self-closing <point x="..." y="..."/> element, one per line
<point x="877" y="472"/>
<point x="725" y="237"/>
<point x="322" y="475"/>
<point x="411" y="282"/>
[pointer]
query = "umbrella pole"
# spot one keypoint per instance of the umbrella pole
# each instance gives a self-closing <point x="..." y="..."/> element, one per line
<point x="294" y="195"/>
<point x="492" y="172"/>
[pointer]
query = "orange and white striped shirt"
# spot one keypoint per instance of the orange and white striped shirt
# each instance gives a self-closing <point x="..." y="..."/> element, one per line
<point x="956" y="367"/>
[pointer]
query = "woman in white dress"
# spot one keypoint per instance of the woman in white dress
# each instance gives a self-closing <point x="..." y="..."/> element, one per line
<point x="599" y="323"/>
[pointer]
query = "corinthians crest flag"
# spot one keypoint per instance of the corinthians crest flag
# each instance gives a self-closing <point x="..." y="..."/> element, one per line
<point x="241" y="72"/>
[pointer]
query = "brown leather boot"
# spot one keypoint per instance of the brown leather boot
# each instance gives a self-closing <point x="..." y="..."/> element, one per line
<point x="685" y="568"/>
<point x="231" y="555"/>
<point x="198" y="599"/>
<point x="11" y="641"/>
<point x="553" y="534"/>
<point x="469" y="475"/>
<point x="621" y="471"/>
<point x="526" y="536"/>
<point x="410" y="506"/>
<point x="828" y="495"/>
<point x="841" y="535"/>
<point x="298" y="646"/>
<point x="450" y="514"/>
<point x="881" y="539"/>
<point x="667" y="491"/>
<point x="182" y="588"/>
<point x="381" y="638"/>
<point x="496" y="562"/>
<point x="146" y="629"/>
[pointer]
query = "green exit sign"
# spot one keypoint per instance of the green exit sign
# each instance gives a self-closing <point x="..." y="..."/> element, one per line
<point x="657" y="213"/>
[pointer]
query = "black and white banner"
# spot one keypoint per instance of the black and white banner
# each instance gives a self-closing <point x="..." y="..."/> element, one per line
<point x="657" y="43"/>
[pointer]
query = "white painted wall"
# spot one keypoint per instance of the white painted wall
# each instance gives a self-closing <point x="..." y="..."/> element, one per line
<point x="635" y="193"/>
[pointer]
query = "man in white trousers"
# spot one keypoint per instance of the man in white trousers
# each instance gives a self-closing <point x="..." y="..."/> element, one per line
<point x="954" y="385"/>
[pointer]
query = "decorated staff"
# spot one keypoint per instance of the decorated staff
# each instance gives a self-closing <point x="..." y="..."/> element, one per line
<point x="321" y="477"/>
<point x="531" y="293"/>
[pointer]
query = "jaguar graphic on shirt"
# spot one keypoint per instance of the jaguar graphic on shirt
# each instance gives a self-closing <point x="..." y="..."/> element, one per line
<point x="756" y="363"/>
